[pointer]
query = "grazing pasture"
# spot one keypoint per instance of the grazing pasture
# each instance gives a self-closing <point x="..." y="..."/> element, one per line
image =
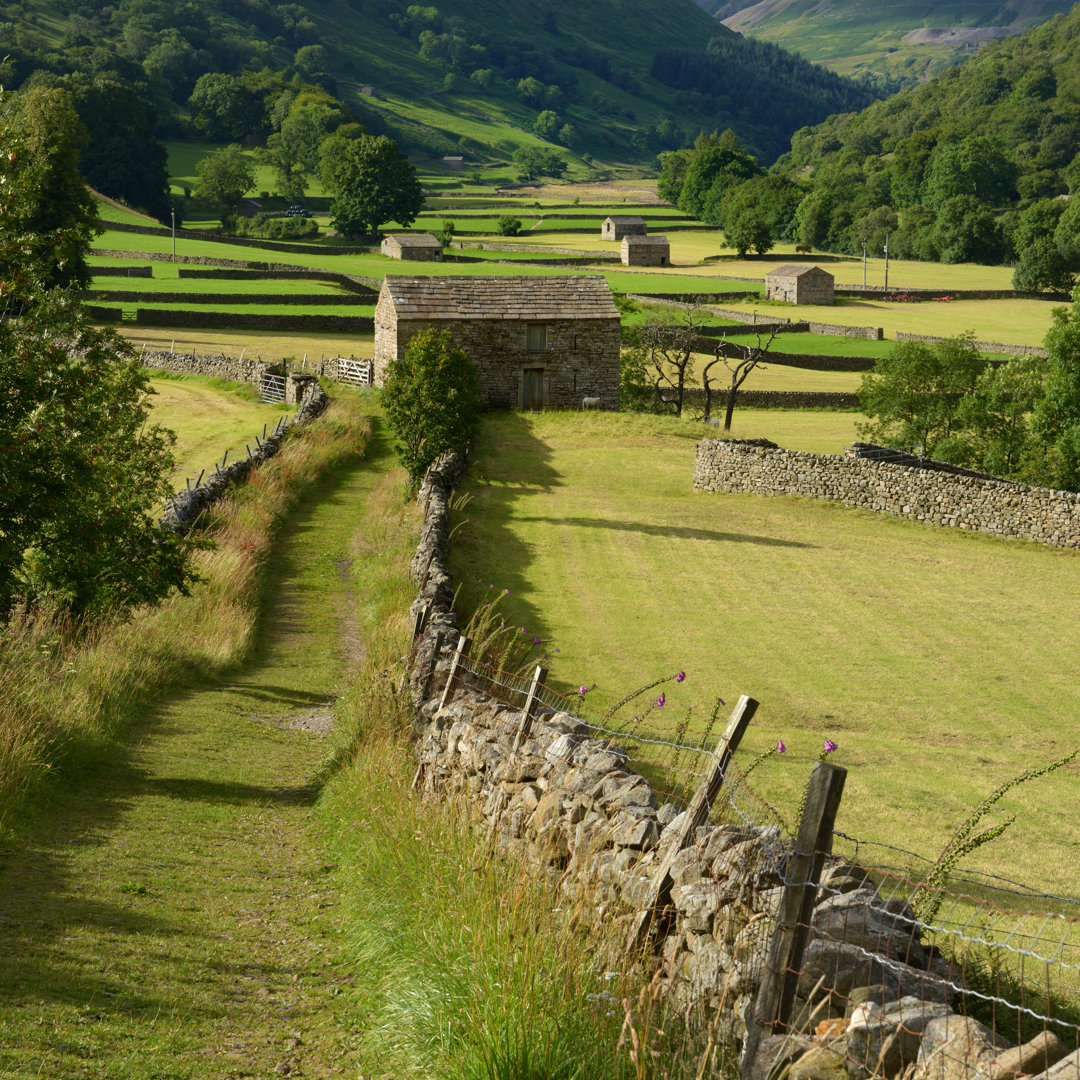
<point x="940" y="661"/>
<point x="209" y="417"/>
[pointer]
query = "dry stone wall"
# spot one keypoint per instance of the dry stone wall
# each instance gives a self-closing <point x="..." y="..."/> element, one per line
<point x="182" y="510"/>
<point x="979" y="504"/>
<point x="569" y="802"/>
<point x="982" y="346"/>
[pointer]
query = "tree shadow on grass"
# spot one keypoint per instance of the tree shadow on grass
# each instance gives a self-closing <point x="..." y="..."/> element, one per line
<point x="682" y="532"/>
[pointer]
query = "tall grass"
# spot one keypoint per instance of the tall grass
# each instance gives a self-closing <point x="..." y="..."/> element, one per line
<point x="465" y="961"/>
<point x="65" y="695"/>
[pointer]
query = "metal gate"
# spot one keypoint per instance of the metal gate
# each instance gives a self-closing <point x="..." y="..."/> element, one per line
<point x="357" y="372"/>
<point x="272" y="388"/>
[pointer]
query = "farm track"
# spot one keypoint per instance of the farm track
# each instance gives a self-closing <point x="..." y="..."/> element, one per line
<point x="173" y="914"/>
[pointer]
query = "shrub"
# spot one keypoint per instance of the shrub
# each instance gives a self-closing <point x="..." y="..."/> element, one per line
<point x="432" y="401"/>
<point x="509" y="225"/>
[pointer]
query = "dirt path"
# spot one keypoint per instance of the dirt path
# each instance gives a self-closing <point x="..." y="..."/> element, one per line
<point x="172" y="916"/>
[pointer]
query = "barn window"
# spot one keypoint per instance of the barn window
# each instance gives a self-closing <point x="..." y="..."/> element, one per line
<point x="536" y="337"/>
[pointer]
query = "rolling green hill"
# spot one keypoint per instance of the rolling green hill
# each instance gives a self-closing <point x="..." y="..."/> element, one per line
<point x="483" y="79"/>
<point x="909" y="41"/>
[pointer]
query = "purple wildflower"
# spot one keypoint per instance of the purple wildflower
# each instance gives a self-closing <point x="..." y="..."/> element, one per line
<point x="661" y="700"/>
<point x="830" y="746"/>
<point x="536" y="640"/>
<point x="780" y="747"/>
<point x="680" y="676"/>
<point x="582" y="690"/>
<point x="506" y="592"/>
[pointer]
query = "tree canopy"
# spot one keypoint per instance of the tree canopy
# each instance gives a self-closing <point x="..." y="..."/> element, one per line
<point x="432" y="401"/>
<point x="83" y="471"/>
<point x="371" y="181"/>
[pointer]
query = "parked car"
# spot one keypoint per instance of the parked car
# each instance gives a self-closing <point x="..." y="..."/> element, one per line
<point x="298" y="211"/>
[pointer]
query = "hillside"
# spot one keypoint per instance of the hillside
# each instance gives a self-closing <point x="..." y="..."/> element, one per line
<point x="481" y="79"/>
<point x="905" y="41"/>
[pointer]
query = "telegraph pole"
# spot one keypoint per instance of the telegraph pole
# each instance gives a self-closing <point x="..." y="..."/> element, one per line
<point x="886" y="264"/>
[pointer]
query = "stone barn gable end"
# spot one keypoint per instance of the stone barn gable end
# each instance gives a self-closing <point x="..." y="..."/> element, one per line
<point x="799" y="285"/>
<point x="646" y="251"/>
<point x="619" y="225"/>
<point x="418" y="247"/>
<point x="536" y="341"/>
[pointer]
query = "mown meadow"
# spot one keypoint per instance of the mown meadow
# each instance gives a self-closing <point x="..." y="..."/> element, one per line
<point x="938" y="660"/>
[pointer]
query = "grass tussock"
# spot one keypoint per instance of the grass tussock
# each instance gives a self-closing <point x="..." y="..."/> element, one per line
<point x="462" y="961"/>
<point x="65" y="692"/>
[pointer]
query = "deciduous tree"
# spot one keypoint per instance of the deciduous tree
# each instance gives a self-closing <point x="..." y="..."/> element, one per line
<point x="432" y="401"/>
<point x="224" y="178"/>
<point x="82" y="472"/>
<point x="372" y="182"/>
<point x="47" y="216"/>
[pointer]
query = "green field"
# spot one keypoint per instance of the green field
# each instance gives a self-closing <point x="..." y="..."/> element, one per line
<point x="208" y="419"/>
<point x="940" y="661"/>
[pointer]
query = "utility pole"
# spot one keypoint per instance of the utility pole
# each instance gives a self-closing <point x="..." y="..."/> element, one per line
<point x="886" y="264"/>
<point x="173" y="213"/>
<point x="864" y="264"/>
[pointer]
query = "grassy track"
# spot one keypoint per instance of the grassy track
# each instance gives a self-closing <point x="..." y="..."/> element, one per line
<point x="172" y="914"/>
<point x="939" y="660"/>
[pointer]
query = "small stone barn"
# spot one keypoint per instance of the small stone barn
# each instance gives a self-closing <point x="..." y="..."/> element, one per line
<point x="419" y="247"/>
<point x="617" y="226"/>
<point x="646" y="251"/>
<point x="535" y="341"/>
<point x="799" y="285"/>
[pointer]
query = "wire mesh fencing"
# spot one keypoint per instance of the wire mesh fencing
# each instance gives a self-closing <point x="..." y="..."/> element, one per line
<point x="844" y="949"/>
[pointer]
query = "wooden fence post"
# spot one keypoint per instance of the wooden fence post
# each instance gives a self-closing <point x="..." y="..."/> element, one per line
<point x="421" y="620"/>
<point x="460" y="652"/>
<point x="776" y="995"/>
<point x="697" y="814"/>
<point x="539" y="675"/>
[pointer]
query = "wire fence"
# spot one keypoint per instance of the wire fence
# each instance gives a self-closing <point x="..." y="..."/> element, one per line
<point x="866" y="956"/>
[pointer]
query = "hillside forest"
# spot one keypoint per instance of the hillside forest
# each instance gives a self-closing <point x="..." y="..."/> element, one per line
<point x="975" y="166"/>
<point x="606" y="86"/>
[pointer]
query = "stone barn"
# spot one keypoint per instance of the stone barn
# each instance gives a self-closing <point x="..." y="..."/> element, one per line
<point x="799" y="285"/>
<point x="536" y="342"/>
<point x="618" y="226"/>
<point x="418" y="247"/>
<point x="646" y="251"/>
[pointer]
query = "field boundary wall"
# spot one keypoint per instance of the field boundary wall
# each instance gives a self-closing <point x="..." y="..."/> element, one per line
<point x="222" y="320"/>
<point x="928" y="494"/>
<point x="132" y="296"/>
<point x="184" y="507"/>
<point x="240" y="241"/>
<point x="802" y="949"/>
<point x="982" y="346"/>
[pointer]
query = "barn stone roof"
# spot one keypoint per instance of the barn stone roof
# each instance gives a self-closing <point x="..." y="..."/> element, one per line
<point x="644" y="241"/>
<point x="526" y="298"/>
<point x="415" y="239"/>
<point x="624" y="219"/>
<point x="794" y="270"/>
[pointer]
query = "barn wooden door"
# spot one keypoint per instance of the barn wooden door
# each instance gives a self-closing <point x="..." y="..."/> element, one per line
<point x="532" y="394"/>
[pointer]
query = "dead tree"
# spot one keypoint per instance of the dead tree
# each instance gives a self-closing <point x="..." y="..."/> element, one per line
<point x="739" y="366"/>
<point x="669" y="347"/>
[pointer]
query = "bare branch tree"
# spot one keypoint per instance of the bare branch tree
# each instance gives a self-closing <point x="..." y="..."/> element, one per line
<point x="669" y="347"/>
<point x="745" y="359"/>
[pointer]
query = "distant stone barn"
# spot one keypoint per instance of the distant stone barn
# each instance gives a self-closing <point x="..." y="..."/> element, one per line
<point x="536" y="342"/>
<point x="417" y="247"/>
<point x="618" y="226"/>
<point x="646" y="251"/>
<point x="799" y="285"/>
